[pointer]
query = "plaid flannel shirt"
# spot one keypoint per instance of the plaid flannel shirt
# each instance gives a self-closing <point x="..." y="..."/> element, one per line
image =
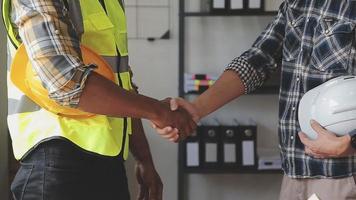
<point x="312" y="41"/>
<point x="53" y="47"/>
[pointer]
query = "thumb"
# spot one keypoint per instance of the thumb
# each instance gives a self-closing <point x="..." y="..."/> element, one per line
<point x="174" y="104"/>
<point x="189" y="107"/>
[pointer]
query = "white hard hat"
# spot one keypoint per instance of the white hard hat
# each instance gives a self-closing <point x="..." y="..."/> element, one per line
<point x="332" y="104"/>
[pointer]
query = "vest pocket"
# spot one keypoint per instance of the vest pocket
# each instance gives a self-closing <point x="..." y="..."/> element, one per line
<point x="100" y="21"/>
<point x="99" y="34"/>
<point x="332" y="46"/>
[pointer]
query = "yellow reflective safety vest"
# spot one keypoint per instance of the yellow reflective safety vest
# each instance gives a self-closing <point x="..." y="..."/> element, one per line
<point x="102" y="27"/>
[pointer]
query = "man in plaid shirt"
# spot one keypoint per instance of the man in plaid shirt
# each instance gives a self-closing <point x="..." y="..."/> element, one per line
<point x="312" y="41"/>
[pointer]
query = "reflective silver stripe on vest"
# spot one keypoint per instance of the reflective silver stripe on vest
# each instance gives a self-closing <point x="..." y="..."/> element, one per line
<point x="118" y="64"/>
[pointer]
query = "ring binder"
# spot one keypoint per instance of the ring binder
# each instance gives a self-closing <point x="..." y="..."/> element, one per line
<point x="248" y="145"/>
<point x="192" y="151"/>
<point x="211" y="146"/>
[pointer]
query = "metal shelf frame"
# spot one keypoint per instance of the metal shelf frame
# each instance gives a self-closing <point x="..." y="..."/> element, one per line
<point x="230" y="14"/>
<point x="182" y="171"/>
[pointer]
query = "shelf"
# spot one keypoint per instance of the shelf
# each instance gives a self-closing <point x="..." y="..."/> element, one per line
<point x="261" y="91"/>
<point x="270" y="87"/>
<point x="232" y="171"/>
<point x="226" y="14"/>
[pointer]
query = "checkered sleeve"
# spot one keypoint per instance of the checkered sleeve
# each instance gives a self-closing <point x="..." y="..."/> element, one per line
<point x="248" y="75"/>
<point x="255" y="65"/>
<point x="53" y="47"/>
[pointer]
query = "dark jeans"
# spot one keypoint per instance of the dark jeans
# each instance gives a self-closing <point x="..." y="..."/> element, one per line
<point x="58" y="170"/>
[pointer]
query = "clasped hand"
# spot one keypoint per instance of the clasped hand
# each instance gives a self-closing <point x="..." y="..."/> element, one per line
<point x="184" y="116"/>
<point x="175" y="123"/>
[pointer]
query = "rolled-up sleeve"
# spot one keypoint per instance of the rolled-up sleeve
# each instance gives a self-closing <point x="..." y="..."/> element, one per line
<point x="53" y="47"/>
<point x="255" y="65"/>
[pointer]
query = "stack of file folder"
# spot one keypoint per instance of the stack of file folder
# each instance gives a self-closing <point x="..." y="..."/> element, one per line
<point x="222" y="147"/>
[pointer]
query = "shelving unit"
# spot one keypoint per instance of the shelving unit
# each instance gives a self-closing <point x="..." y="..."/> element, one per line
<point x="229" y="171"/>
<point x="241" y="13"/>
<point x="269" y="89"/>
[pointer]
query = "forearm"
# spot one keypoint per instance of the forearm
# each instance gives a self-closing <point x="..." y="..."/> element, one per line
<point x="228" y="87"/>
<point x="139" y="146"/>
<point x="101" y="96"/>
<point x="62" y="72"/>
<point x="249" y="71"/>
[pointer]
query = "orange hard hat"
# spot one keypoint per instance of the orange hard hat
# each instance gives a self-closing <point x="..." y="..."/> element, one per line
<point x="26" y="79"/>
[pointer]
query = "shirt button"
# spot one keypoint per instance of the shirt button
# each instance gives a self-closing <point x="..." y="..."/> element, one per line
<point x="57" y="32"/>
<point x="293" y="108"/>
<point x="327" y="32"/>
<point x="292" y="137"/>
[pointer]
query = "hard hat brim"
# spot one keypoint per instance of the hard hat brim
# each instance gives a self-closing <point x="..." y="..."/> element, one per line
<point x="306" y="112"/>
<point x="19" y="75"/>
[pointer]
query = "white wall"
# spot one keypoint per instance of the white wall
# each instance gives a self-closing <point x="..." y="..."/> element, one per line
<point x="211" y="44"/>
<point x="3" y="113"/>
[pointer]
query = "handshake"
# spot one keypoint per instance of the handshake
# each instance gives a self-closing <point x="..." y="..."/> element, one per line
<point x="178" y="121"/>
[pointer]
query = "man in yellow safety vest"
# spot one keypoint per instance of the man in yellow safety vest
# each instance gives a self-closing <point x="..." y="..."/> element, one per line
<point x="78" y="156"/>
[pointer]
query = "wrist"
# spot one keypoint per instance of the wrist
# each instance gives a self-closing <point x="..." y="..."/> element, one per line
<point x="346" y="141"/>
<point x="159" y="111"/>
<point x="199" y="109"/>
<point x="344" y="147"/>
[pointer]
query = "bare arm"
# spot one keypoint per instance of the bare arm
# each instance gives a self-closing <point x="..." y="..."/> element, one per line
<point x="228" y="87"/>
<point x="101" y="96"/>
<point x="139" y="146"/>
<point x="150" y="184"/>
<point x="249" y="71"/>
<point x="243" y="75"/>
